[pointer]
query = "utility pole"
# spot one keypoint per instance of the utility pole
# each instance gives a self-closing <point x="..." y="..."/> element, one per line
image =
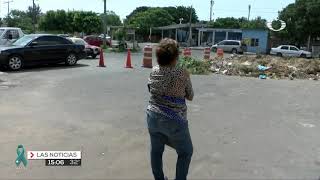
<point x="150" y="35"/>
<point x="34" y="16"/>
<point x="211" y="7"/>
<point x="190" y="28"/>
<point x="8" y="3"/>
<point x="105" y="24"/>
<point x="249" y="12"/>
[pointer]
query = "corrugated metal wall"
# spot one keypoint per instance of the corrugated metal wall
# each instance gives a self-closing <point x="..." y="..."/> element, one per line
<point x="258" y="40"/>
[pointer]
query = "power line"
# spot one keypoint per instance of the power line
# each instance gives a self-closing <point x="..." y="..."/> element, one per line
<point x="254" y="1"/>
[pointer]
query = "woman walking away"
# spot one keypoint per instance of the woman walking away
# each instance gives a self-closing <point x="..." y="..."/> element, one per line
<point x="169" y="87"/>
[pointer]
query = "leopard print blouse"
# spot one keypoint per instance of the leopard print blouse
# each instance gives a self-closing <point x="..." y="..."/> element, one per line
<point x="173" y="82"/>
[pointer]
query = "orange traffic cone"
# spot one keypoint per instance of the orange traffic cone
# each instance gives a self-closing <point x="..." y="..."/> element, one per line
<point x="128" y="64"/>
<point x="101" y="61"/>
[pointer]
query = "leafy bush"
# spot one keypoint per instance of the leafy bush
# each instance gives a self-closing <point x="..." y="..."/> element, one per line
<point x="195" y="66"/>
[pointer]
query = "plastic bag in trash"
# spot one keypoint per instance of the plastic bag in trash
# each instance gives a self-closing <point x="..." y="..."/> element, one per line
<point x="263" y="68"/>
<point x="263" y="76"/>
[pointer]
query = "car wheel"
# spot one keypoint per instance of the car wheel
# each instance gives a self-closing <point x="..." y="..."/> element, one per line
<point x="234" y="51"/>
<point x="94" y="56"/>
<point x="71" y="59"/>
<point x="303" y="56"/>
<point x="15" y="63"/>
<point x="279" y="54"/>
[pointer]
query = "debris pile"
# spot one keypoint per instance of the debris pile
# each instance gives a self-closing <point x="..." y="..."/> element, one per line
<point x="277" y="67"/>
<point x="195" y="66"/>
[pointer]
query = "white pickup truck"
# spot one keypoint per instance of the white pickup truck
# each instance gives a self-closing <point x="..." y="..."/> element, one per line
<point x="9" y="34"/>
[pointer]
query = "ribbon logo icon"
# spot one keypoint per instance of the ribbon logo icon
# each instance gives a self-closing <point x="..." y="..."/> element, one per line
<point x="21" y="157"/>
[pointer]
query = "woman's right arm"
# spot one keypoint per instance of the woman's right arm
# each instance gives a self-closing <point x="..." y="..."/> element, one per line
<point x="189" y="89"/>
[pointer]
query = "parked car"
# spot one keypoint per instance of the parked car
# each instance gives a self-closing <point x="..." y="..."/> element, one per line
<point x="290" y="51"/>
<point x="107" y="36"/>
<point x="9" y="34"/>
<point x="92" y="51"/>
<point x="40" y="49"/>
<point x="119" y="44"/>
<point x="95" y="41"/>
<point x="64" y="35"/>
<point x="232" y="46"/>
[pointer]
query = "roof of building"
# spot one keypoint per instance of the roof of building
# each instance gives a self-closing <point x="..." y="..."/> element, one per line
<point x="178" y="26"/>
<point x="219" y="30"/>
<point x="10" y="28"/>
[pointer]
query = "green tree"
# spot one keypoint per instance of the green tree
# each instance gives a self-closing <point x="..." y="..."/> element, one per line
<point x="20" y="19"/>
<point x="137" y="10"/>
<point x="257" y="23"/>
<point x="61" y="21"/>
<point x="49" y="22"/>
<point x="176" y="12"/>
<point x="153" y="17"/>
<point x="36" y="13"/>
<point x="238" y="23"/>
<point x="303" y="21"/>
<point x="112" y="19"/>
<point x="228" y="22"/>
<point x="72" y="21"/>
<point x="182" y="12"/>
<point x="69" y="21"/>
<point x="88" y="22"/>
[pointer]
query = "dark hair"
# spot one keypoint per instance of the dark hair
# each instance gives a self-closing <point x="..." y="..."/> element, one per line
<point x="167" y="51"/>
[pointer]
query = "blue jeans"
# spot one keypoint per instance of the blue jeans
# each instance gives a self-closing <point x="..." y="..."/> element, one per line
<point x="165" y="131"/>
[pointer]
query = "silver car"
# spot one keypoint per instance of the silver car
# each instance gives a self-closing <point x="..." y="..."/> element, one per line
<point x="290" y="51"/>
<point x="232" y="46"/>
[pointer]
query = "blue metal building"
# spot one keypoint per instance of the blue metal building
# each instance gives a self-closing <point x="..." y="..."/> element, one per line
<point x="255" y="39"/>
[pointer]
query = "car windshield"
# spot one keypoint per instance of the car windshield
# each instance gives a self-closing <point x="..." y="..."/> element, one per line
<point x="80" y="42"/>
<point x="294" y="48"/>
<point x="24" y="40"/>
<point x="1" y="31"/>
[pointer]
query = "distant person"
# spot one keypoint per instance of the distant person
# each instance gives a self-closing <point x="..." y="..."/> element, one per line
<point x="169" y="86"/>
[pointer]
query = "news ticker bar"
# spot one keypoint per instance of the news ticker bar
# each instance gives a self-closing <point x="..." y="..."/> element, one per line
<point x="51" y="155"/>
<point x="63" y="162"/>
<point x="56" y="158"/>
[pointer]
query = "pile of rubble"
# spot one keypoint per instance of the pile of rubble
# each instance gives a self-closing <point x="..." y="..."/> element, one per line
<point x="278" y="67"/>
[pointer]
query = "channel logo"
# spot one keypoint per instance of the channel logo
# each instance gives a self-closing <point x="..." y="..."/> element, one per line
<point x="52" y="158"/>
<point x="21" y="156"/>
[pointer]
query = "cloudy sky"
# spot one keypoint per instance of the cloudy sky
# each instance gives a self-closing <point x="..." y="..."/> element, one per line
<point x="222" y="8"/>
